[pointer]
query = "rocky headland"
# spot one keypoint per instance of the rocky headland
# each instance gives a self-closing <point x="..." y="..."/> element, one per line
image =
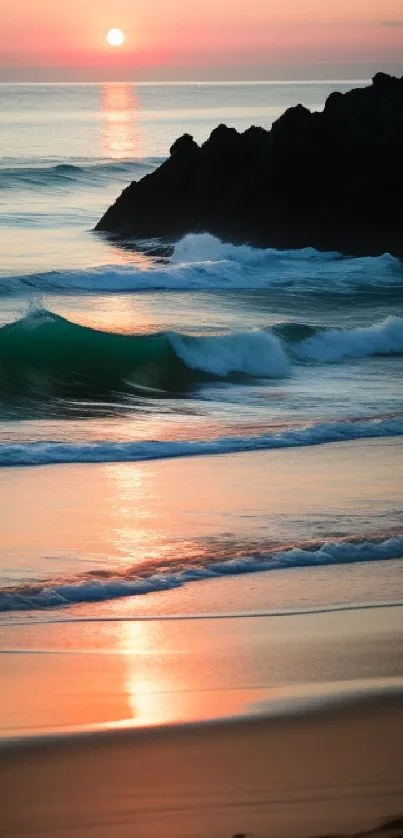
<point x="332" y="180"/>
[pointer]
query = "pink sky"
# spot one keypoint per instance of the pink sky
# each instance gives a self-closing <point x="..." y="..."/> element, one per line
<point x="197" y="39"/>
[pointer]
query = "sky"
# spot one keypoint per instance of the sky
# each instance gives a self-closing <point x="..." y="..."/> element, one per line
<point x="64" y="40"/>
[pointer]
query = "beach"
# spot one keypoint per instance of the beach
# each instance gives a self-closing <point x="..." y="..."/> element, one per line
<point x="263" y="703"/>
<point x="286" y="726"/>
<point x="201" y="482"/>
<point x="341" y="770"/>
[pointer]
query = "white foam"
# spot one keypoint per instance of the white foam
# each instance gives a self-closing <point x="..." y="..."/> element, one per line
<point x="385" y="338"/>
<point x="196" y="248"/>
<point x="87" y="589"/>
<point x="113" y="278"/>
<point x="203" y="247"/>
<point x="252" y="353"/>
<point x="203" y="262"/>
<point x="53" y="453"/>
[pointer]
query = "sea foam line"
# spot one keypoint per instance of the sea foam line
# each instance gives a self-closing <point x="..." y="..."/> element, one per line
<point x="197" y="617"/>
<point x="56" y="453"/>
<point x="62" y="592"/>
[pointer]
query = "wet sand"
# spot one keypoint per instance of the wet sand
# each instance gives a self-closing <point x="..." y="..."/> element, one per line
<point x="301" y="731"/>
<point x="65" y="675"/>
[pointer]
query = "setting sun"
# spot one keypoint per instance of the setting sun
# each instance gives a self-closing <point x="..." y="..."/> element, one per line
<point x="115" y="37"/>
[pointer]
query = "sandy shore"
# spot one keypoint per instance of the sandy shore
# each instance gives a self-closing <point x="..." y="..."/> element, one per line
<point x="114" y="726"/>
<point x="336" y="771"/>
<point x="301" y="732"/>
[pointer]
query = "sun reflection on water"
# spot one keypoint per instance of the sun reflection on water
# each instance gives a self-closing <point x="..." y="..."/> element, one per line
<point x="120" y="136"/>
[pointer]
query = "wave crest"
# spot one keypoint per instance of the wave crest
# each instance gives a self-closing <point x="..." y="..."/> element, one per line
<point x="202" y="262"/>
<point x="44" y="352"/>
<point x="257" y="354"/>
<point x="204" y="247"/>
<point x="324" y="345"/>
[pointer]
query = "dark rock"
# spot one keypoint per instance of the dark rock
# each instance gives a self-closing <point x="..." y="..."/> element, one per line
<point x="331" y="180"/>
<point x="381" y="81"/>
<point x="183" y="145"/>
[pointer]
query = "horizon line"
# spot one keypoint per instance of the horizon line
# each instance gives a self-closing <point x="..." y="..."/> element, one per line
<point x="184" y="82"/>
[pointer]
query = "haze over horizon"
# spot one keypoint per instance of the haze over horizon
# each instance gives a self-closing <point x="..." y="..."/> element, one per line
<point x="41" y="40"/>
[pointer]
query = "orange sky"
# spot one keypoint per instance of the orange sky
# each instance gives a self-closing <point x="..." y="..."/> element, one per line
<point x="181" y="39"/>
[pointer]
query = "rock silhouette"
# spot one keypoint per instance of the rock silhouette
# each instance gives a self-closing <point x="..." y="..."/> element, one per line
<point x="331" y="180"/>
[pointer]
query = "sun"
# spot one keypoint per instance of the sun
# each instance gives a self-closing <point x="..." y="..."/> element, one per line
<point x="115" y="37"/>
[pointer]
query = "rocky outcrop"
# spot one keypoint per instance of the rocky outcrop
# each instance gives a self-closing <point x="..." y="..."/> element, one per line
<point x="331" y="180"/>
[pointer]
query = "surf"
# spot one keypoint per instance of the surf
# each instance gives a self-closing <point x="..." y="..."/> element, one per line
<point x="329" y="345"/>
<point x="201" y="262"/>
<point x="43" y="354"/>
<point x="152" y="577"/>
<point x="317" y="433"/>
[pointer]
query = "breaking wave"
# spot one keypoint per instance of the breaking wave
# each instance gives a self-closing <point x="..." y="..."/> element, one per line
<point x="152" y="577"/>
<point x="202" y="262"/>
<point x="324" y="345"/>
<point x="43" y="353"/>
<point x="201" y="247"/>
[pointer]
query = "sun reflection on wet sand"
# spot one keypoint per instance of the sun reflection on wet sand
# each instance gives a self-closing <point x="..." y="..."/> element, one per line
<point x="148" y="686"/>
<point x="177" y="672"/>
<point x="120" y="135"/>
<point x="147" y="673"/>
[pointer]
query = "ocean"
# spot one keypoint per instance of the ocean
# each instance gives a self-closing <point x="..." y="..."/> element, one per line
<point x="169" y="417"/>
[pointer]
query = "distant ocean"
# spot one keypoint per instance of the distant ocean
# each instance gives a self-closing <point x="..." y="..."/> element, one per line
<point x="109" y="354"/>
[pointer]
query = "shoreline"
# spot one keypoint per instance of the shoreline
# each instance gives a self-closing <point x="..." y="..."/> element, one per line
<point x="142" y="673"/>
<point x="318" y="701"/>
<point x="160" y="618"/>
<point x="133" y="535"/>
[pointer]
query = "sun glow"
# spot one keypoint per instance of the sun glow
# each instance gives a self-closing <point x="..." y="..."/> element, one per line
<point x="115" y="37"/>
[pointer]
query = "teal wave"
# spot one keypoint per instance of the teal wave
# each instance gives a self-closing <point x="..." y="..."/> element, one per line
<point x="45" y="353"/>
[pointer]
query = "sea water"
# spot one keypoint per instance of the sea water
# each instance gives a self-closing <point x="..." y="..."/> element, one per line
<point x="119" y="353"/>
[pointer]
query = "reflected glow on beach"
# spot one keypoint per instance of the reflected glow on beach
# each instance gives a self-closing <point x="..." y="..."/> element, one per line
<point x="176" y="673"/>
<point x="150" y="684"/>
<point x="146" y="673"/>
